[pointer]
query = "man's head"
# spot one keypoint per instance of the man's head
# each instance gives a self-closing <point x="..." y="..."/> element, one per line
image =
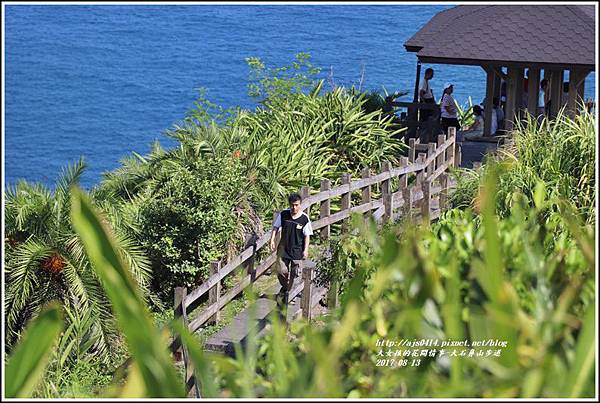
<point x="429" y="73"/>
<point x="295" y="199"/>
<point x="543" y="83"/>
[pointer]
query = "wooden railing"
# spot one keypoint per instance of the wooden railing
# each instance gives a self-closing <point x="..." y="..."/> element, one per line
<point x="425" y="168"/>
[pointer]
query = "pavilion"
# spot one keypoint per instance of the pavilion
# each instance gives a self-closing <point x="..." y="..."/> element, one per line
<point x="544" y="39"/>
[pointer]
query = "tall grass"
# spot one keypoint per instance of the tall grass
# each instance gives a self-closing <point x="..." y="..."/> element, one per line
<point x="560" y="153"/>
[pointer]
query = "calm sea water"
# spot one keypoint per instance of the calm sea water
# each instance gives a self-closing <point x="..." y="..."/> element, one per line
<point x="102" y="81"/>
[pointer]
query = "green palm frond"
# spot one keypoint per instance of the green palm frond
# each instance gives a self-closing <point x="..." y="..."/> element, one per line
<point x="28" y="209"/>
<point x="22" y="279"/>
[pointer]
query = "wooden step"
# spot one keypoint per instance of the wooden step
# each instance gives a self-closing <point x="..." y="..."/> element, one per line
<point x="238" y="330"/>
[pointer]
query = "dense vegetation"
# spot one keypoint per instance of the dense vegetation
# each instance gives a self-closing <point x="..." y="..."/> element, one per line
<point x="513" y="260"/>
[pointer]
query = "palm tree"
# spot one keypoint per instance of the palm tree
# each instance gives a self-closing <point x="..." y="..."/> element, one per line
<point x="45" y="260"/>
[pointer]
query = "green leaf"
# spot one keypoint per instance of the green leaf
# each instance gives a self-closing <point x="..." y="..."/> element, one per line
<point x="539" y="194"/>
<point x="585" y="357"/>
<point x="145" y="342"/>
<point x="202" y="368"/>
<point x="26" y="365"/>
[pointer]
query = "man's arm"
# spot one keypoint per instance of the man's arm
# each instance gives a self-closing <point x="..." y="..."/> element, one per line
<point x="307" y="231"/>
<point x="276" y="228"/>
<point x="273" y="234"/>
<point x="306" y="242"/>
<point x="421" y="90"/>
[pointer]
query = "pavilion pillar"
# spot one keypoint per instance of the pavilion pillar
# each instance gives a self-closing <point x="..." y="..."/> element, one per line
<point x="576" y="90"/>
<point x="413" y="112"/>
<point x="533" y="91"/>
<point x="512" y="83"/>
<point x="488" y="107"/>
<point x="497" y="84"/>
<point x="417" y="79"/>
<point x="519" y="94"/>
<point x="574" y="75"/>
<point x="556" y="87"/>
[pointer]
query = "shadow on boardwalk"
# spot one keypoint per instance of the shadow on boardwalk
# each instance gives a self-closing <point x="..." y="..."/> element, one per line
<point x="474" y="151"/>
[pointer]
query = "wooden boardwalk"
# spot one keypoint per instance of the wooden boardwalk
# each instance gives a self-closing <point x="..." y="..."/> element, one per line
<point x="474" y="151"/>
<point x="258" y="315"/>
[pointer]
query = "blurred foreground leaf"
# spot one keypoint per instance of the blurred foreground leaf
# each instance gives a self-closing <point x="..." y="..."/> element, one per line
<point x="26" y="365"/>
<point x="585" y="357"/>
<point x="145" y="343"/>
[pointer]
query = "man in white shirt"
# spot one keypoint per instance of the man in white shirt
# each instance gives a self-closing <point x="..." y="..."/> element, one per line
<point x="426" y="94"/>
<point x="296" y="229"/>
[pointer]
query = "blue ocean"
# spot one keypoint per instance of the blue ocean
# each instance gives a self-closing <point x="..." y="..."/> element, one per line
<point x="101" y="81"/>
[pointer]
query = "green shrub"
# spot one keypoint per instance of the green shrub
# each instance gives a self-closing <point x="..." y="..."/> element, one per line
<point x="190" y="220"/>
<point x="465" y="113"/>
<point x="271" y="85"/>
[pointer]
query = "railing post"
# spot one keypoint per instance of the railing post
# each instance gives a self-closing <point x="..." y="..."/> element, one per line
<point x="324" y="212"/>
<point x="325" y="209"/>
<point x="388" y="206"/>
<point x="345" y="200"/>
<point x="277" y="239"/>
<point x="250" y="263"/>
<point x="215" y="292"/>
<point x="444" y="192"/>
<point x="305" y="302"/>
<point x="407" y="197"/>
<point x="411" y="149"/>
<point x="386" y="185"/>
<point x="455" y="150"/>
<point x="404" y="177"/>
<point x="420" y="174"/>
<point x="450" y="151"/>
<point x="426" y="202"/>
<point x="431" y="147"/>
<point x="366" y="191"/>
<point x="191" y="386"/>
<point x="441" y="158"/>
<point x="179" y="311"/>
<point x="420" y="177"/>
<point x="305" y="193"/>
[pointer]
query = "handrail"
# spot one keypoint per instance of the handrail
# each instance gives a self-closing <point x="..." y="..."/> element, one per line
<point x="419" y="167"/>
<point x="360" y="184"/>
<point x="420" y="105"/>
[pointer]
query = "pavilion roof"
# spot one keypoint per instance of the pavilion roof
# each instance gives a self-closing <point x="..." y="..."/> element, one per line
<point x="509" y="35"/>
